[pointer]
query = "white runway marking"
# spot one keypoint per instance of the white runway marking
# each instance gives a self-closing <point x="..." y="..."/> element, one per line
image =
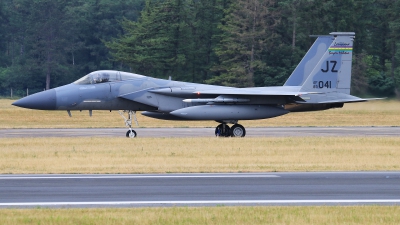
<point x="115" y="203"/>
<point x="133" y="177"/>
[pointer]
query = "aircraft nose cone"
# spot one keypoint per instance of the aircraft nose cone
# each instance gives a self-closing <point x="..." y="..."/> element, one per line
<point x="45" y="100"/>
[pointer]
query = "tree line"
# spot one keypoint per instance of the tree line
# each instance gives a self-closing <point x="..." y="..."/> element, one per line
<point x="241" y="43"/>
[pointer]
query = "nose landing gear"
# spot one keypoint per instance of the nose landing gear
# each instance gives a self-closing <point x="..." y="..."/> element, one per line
<point x="128" y="122"/>
<point x="131" y="133"/>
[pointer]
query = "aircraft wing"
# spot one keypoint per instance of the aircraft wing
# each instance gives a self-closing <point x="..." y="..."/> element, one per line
<point x="252" y="91"/>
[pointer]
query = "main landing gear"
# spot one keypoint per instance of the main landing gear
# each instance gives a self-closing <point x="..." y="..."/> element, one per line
<point x="128" y="122"/>
<point x="223" y="130"/>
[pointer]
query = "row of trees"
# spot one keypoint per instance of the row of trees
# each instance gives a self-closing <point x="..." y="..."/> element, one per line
<point x="46" y="43"/>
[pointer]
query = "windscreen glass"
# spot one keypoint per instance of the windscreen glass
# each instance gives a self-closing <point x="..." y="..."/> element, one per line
<point x="106" y="76"/>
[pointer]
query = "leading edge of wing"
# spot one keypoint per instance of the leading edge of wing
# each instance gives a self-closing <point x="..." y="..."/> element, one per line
<point x="252" y="91"/>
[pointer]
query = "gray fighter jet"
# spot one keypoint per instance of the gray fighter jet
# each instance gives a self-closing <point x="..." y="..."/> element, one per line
<point x="321" y="81"/>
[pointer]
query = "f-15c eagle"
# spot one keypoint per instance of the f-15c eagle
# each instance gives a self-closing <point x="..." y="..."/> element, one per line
<point x="321" y="81"/>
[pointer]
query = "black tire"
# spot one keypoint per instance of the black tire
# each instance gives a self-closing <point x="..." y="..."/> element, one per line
<point x="237" y="130"/>
<point x="219" y="132"/>
<point x="133" y="134"/>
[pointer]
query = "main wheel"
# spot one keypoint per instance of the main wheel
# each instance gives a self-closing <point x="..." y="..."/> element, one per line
<point x="221" y="132"/>
<point x="131" y="134"/>
<point x="238" y="130"/>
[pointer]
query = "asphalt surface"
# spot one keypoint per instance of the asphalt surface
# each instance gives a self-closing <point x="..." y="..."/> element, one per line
<point x="320" y="188"/>
<point x="325" y="188"/>
<point x="203" y="132"/>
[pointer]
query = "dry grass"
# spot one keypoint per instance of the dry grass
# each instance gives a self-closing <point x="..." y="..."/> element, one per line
<point x="375" y="113"/>
<point x="207" y="215"/>
<point x="164" y="155"/>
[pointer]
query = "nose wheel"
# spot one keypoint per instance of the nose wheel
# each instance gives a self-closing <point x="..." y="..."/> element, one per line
<point x="128" y="122"/>
<point x="131" y="134"/>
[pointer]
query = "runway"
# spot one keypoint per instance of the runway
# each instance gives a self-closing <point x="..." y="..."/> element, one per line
<point x="163" y="190"/>
<point x="204" y="132"/>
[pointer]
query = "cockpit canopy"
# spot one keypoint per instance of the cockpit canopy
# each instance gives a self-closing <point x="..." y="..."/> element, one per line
<point x="104" y="76"/>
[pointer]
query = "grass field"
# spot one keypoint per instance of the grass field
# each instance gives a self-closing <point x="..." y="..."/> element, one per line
<point x="167" y="155"/>
<point x="207" y="215"/>
<point x="374" y="113"/>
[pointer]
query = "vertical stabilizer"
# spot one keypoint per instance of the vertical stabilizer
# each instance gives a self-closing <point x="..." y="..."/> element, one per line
<point x="333" y="71"/>
<point x="309" y="61"/>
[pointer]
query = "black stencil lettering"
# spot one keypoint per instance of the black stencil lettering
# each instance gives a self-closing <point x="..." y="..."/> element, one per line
<point x="327" y="67"/>
<point x="333" y="67"/>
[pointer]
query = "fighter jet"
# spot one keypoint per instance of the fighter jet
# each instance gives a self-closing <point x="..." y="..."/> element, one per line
<point x="321" y="81"/>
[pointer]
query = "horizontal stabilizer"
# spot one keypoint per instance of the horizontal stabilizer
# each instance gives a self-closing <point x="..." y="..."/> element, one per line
<point x="352" y="100"/>
<point x="373" y="99"/>
<point x="332" y="98"/>
<point x="344" y="101"/>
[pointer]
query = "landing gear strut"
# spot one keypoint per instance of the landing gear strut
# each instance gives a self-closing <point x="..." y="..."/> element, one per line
<point x="128" y="122"/>
<point x="223" y="130"/>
